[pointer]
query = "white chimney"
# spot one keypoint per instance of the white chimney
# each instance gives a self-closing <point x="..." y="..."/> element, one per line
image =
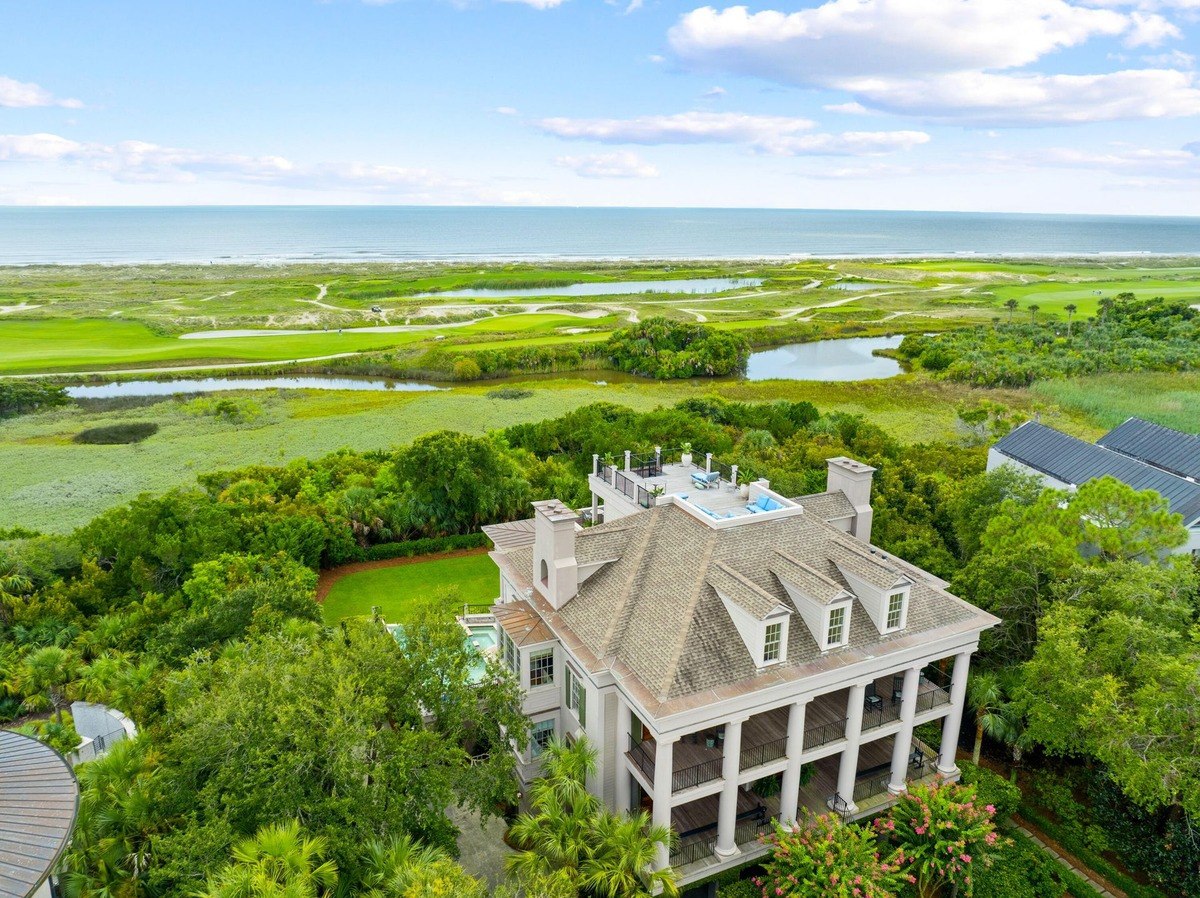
<point x="555" y="571"/>
<point x="854" y="479"/>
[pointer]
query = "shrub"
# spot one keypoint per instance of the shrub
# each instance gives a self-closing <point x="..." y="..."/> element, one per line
<point x="665" y="349"/>
<point x="114" y="434"/>
<point x="227" y="408"/>
<point x="467" y="369"/>
<point x="61" y="737"/>
<point x="509" y="393"/>
<point x="991" y="789"/>
<point x="22" y="397"/>
<point x="741" y="888"/>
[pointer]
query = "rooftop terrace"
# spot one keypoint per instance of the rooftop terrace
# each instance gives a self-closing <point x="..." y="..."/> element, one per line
<point x="710" y="490"/>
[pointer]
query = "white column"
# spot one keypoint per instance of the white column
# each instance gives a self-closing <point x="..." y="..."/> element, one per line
<point x="622" y="797"/>
<point x="953" y="720"/>
<point x="595" y="506"/>
<point x="789" y="796"/>
<point x="595" y="464"/>
<point x="903" y="745"/>
<point x="628" y="452"/>
<point x="849" y="762"/>
<point x="730" y="768"/>
<point x="664" y="753"/>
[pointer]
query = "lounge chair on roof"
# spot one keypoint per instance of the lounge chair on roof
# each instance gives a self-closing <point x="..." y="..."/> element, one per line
<point x="713" y="514"/>
<point x="706" y="479"/>
<point x="763" y="503"/>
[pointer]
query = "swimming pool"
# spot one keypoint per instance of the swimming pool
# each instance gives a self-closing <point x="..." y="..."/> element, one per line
<point x="480" y="640"/>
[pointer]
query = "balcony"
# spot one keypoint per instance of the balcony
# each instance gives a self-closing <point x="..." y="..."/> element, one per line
<point x="698" y="758"/>
<point x="696" y="821"/>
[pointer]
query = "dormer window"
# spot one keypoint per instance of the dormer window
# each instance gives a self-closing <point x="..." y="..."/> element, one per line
<point x="896" y="611"/>
<point x="836" y="629"/>
<point x="773" y="643"/>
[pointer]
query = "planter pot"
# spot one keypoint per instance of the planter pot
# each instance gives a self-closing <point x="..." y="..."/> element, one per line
<point x="686" y="458"/>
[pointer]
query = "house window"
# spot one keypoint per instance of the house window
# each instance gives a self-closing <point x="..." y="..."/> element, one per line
<point x="773" y="644"/>
<point x="508" y="652"/>
<point x="577" y="696"/>
<point x="541" y="669"/>
<point x="543" y="732"/>
<point x="895" y="610"/>
<point x="837" y="626"/>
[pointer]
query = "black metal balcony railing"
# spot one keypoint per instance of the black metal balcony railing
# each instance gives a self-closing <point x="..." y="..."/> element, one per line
<point x="684" y="777"/>
<point x="751" y="831"/>
<point x="870" y="786"/>
<point x="931" y="674"/>
<point x="927" y="701"/>
<point x="695" y="848"/>
<point x="757" y="755"/>
<point x="704" y="772"/>
<point x="877" y="716"/>
<point x="824" y="733"/>
<point x="646" y="465"/>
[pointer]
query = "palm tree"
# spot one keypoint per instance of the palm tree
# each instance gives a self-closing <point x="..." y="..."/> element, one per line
<point x="47" y="672"/>
<point x="1071" y="309"/>
<point x="118" y="810"/>
<point x="1011" y="305"/>
<point x="277" y="862"/>
<point x="390" y="865"/>
<point x="13" y="586"/>
<point x="1033" y="310"/>
<point x="571" y="836"/>
<point x="985" y="693"/>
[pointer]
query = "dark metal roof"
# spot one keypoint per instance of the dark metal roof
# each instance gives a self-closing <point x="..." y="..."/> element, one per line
<point x="38" y="801"/>
<point x="1075" y="462"/>
<point x="1156" y="445"/>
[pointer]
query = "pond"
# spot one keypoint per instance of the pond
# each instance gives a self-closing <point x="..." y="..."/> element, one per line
<point x="137" y="388"/>
<point x="827" y="360"/>
<point x="608" y="288"/>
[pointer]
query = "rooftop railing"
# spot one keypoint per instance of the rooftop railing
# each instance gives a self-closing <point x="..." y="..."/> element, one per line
<point x="681" y="778"/>
<point x="882" y="713"/>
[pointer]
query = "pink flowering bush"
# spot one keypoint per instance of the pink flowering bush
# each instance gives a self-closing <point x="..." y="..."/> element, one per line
<point x="943" y="833"/>
<point x="825" y="858"/>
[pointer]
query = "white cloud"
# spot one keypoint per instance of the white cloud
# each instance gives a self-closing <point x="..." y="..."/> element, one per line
<point x="1173" y="59"/>
<point x="775" y="135"/>
<point x="134" y="161"/>
<point x="1012" y="99"/>
<point x="620" y="164"/>
<point x="1150" y="30"/>
<point x="851" y="108"/>
<point x="537" y="4"/>
<point x="656" y="58"/>
<point x="714" y="93"/>
<point x="505" y="110"/>
<point x="1150" y="164"/>
<point x="953" y="60"/>
<point x="683" y="127"/>
<point x="885" y="38"/>
<point x="25" y="94"/>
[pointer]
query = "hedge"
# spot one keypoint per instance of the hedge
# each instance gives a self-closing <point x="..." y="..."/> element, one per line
<point x="427" y="546"/>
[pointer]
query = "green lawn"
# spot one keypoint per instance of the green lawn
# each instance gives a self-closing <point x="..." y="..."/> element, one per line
<point x="472" y="578"/>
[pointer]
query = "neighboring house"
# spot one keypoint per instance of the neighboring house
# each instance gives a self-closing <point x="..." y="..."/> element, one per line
<point x="734" y="655"/>
<point x="1143" y="455"/>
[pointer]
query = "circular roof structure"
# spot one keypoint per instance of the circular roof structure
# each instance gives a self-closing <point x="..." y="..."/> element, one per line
<point x="39" y="797"/>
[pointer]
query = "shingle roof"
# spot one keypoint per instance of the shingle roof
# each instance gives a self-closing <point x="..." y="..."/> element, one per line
<point x="654" y="617"/>
<point x="731" y="585"/>
<point x="38" y="801"/>
<point x="1156" y="445"/>
<point x="815" y="585"/>
<point x="1074" y="461"/>
<point x="829" y="506"/>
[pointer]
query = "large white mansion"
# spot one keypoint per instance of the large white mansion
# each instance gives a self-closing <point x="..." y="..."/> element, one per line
<point x="734" y="654"/>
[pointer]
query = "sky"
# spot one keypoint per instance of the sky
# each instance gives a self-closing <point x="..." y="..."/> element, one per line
<point x="1084" y="106"/>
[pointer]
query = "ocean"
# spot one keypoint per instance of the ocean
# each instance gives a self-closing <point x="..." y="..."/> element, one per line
<point x="265" y="234"/>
